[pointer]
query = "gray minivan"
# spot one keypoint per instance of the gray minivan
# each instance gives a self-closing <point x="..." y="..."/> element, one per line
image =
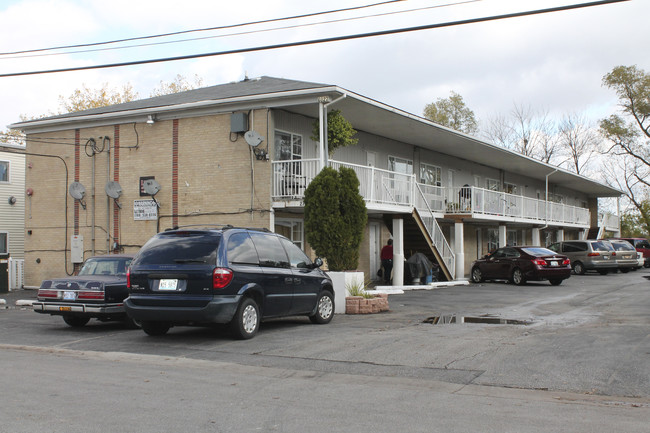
<point x="588" y="255"/>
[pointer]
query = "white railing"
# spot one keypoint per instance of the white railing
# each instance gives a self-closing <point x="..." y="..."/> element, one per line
<point x="435" y="232"/>
<point x="16" y="273"/>
<point x="609" y="222"/>
<point x="377" y="186"/>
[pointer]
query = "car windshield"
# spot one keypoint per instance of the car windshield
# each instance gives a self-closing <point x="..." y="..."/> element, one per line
<point x="602" y="246"/>
<point x="180" y="247"/>
<point x="106" y="266"/>
<point x="623" y="246"/>
<point x="539" y="252"/>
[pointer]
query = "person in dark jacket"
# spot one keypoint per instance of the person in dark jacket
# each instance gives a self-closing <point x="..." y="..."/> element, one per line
<point x="387" y="260"/>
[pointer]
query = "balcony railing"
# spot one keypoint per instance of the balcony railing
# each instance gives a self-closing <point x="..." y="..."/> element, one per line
<point x="383" y="187"/>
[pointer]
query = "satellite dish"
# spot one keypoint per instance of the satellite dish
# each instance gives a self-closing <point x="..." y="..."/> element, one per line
<point x="253" y="138"/>
<point x="77" y="190"/>
<point x="113" y="189"/>
<point x="151" y="187"/>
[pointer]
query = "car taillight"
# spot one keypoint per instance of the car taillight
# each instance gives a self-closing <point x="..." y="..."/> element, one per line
<point x="613" y="253"/>
<point x="128" y="278"/>
<point x="566" y="262"/>
<point x="221" y="277"/>
<point x="90" y="294"/>
<point x="593" y="254"/>
<point x="540" y="262"/>
<point x="48" y="293"/>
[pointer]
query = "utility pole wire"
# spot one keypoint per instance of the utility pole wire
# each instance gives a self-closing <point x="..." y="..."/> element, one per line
<point x="321" y="41"/>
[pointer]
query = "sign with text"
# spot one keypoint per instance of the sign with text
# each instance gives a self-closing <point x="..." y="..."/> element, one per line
<point x="145" y="210"/>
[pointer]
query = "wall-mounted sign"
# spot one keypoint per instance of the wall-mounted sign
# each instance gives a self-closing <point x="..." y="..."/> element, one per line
<point x="142" y="179"/>
<point x="145" y="210"/>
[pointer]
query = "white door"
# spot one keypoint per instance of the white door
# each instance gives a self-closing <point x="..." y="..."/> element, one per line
<point x="374" y="236"/>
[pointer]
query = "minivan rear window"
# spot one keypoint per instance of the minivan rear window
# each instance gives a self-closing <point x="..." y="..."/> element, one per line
<point x="602" y="246"/>
<point x="180" y="247"/>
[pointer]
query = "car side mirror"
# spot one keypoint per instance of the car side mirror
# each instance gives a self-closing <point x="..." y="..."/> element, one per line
<point x="318" y="262"/>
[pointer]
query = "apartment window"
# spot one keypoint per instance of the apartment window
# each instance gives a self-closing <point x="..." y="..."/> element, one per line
<point x="492" y="184"/>
<point x="511" y="237"/>
<point x="4" y="171"/>
<point x="4" y="247"/>
<point x="510" y="188"/>
<point x="399" y="165"/>
<point x="492" y="239"/>
<point x="430" y="175"/>
<point x="291" y="229"/>
<point x="288" y="146"/>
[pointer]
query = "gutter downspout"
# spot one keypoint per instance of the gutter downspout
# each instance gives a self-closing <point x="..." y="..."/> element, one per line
<point x="546" y="197"/>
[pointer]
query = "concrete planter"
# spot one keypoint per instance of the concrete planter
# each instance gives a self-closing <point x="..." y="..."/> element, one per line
<point x="340" y="281"/>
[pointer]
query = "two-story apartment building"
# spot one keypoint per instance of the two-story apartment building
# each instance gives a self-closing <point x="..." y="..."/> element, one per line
<point x="243" y="154"/>
<point x="12" y="200"/>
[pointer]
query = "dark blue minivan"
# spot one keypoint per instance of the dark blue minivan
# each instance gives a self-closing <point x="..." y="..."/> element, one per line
<point x="227" y="275"/>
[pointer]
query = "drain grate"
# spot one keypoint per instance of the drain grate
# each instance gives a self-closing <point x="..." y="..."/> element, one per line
<point x="457" y="319"/>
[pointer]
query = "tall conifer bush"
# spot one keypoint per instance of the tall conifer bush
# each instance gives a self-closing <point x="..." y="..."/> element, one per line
<point x="335" y="217"/>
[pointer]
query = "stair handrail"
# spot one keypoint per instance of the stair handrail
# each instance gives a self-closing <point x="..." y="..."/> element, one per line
<point x="436" y="235"/>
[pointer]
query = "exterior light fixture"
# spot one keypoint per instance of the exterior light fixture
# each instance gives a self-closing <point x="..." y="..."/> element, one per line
<point x="151" y="119"/>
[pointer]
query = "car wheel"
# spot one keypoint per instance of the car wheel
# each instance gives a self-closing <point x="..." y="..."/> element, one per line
<point x="324" y="308"/>
<point x="247" y="320"/>
<point x="518" y="277"/>
<point x="477" y="275"/>
<point x="76" y="321"/>
<point x="155" y="328"/>
<point x="646" y="265"/>
<point x="132" y="323"/>
<point x="579" y="268"/>
<point x="625" y="270"/>
<point x="603" y="271"/>
<point x="555" y="282"/>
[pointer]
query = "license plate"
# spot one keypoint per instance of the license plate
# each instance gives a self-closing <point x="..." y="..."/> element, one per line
<point x="65" y="308"/>
<point x="168" y="285"/>
<point x="553" y="263"/>
<point x="69" y="296"/>
<point x="605" y="257"/>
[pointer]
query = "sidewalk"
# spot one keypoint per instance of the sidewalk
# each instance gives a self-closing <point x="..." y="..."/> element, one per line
<point x="19" y="297"/>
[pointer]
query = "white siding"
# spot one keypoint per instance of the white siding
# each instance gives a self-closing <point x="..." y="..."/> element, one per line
<point x="12" y="217"/>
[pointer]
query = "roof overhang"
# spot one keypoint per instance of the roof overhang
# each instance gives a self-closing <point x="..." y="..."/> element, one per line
<point x="364" y="113"/>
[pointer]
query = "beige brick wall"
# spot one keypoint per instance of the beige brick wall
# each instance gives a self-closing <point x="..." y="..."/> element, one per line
<point x="215" y="171"/>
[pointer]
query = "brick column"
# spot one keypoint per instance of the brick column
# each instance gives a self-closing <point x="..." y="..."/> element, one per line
<point x="116" y="178"/>
<point x="175" y="173"/>
<point x="77" y="149"/>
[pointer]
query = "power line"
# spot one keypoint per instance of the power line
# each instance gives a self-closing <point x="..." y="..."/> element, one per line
<point x="243" y="32"/>
<point x="323" y="40"/>
<point x="161" y="35"/>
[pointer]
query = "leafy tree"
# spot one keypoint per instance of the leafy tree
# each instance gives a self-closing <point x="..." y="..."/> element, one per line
<point x="180" y="84"/>
<point x="340" y="132"/>
<point x="335" y="217"/>
<point x="452" y="113"/>
<point x="86" y="98"/>
<point x="628" y="133"/>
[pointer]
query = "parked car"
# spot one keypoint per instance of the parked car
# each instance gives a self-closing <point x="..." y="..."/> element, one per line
<point x="520" y="264"/>
<point x="228" y="275"/>
<point x="625" y="255"/>
<point x="588" y="255"/>
<point x="642" y="245"/>
<point x="98" y="291"/>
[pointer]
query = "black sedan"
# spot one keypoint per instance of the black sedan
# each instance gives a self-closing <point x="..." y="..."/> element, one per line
<point x="521" y="264"/>
<point x="98" y="291"/>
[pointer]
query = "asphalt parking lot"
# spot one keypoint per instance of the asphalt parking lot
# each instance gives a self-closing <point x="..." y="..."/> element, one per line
<point x="589" y="335"/>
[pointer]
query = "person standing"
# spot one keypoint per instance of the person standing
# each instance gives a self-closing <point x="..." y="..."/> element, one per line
<point x="386" y="257"/>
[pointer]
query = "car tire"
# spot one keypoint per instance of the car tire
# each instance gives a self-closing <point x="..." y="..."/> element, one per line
<point x="517" y="277"/>
<point x="132" y="323"/>
<point x="625" y="270"/>
<point x="155" y="328"/>
<point x="579" y="268"/>
<point x="477" y="275"/>
<point x="246" y="322"/>
<point x="556" y="282"/>
<point x="646" y="265"/>
<point x="603" y="271"/>
<point x="324" y="308"/>
<point x="76" y="321"/>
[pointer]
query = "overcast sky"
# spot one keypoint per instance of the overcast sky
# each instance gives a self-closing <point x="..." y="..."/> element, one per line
<point x="553" y="62"/>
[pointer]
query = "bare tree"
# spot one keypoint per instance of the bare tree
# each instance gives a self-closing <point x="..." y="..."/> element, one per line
<point x="527" y="131"/>
<point x="578" y="140"/>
